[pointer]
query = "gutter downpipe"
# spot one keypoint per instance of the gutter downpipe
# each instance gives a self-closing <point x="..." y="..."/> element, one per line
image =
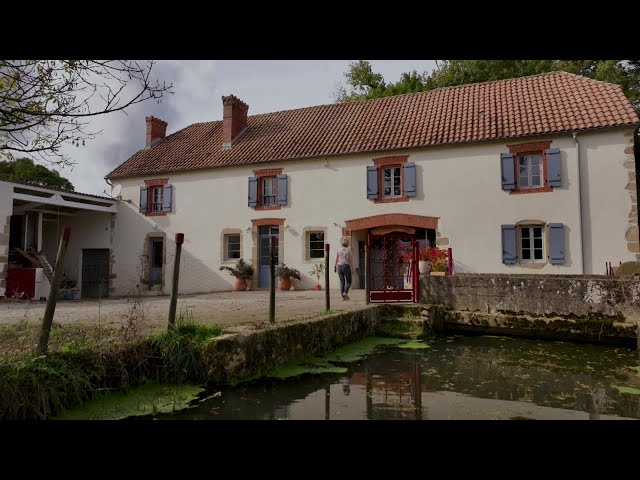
<point x="580" y="217"/>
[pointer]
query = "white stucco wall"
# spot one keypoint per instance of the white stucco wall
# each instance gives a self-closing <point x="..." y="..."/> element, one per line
<point x="459" y="184"/>
<point x="6" y="207"/>
<point x="89" y="230"/>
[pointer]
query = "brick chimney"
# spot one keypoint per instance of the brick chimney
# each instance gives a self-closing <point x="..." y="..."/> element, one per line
<point x="156" y="130"/>
<point x="234" y="119"/>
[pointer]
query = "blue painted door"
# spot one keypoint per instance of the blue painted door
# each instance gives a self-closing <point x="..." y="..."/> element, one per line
<point x="264" y="235"/>
<point x="156" y="251"/>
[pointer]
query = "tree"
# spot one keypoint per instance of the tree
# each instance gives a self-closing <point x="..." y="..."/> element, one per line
<point x="47" y="103"/>
<point x="24" y="170"/>
<point x="365" y="84"/>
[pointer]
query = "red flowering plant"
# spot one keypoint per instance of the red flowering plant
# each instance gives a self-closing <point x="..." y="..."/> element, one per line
<point x="438" y="258"/>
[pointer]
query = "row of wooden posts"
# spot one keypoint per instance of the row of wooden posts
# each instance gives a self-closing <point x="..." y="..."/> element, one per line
<point x="47" y="321"/>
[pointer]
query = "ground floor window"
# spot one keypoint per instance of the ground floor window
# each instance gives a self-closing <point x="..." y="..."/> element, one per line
<point x="315" y="245"/>
<point x="232" y="247"/>
<point x="532" y="243"/>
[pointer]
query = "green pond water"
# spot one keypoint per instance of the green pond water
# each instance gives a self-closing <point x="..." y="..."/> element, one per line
<point x="460" y="377"/>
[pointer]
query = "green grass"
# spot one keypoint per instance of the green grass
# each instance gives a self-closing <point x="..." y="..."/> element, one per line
<point x="629" y="390"/>
<point x="143" y="400"/>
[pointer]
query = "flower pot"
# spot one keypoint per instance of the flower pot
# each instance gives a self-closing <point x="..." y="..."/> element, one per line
<point x="424" y="266"/>
<point x="438" y="273"/>
<point x="240" y="285"/>
<point x="284" y="284"/>
<point x="318" y="287"/>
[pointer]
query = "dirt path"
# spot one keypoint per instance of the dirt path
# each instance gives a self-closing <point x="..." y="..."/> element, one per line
<point x="150" y="313"/>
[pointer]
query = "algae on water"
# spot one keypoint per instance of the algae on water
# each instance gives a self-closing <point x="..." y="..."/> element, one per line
<point x="294" y="370"/>
<point x="143" y="400"/>
<point x="415" y="344"/>
<point x="358" y="350"/>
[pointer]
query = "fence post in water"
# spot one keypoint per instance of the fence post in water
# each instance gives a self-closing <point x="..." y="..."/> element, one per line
<point x="272" y="280"/>
<point x="367" y="286"/>
<point x="47" y="320"/>
<point x="176" y="278"/>
<point x="327" y="299"/>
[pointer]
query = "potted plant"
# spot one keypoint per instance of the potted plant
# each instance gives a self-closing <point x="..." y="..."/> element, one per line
<point x="317" y="271"/>
<point x="286" y="274"/>
<point x="153" y="285"/>
<point x="437" y="259"/>
<point x="242" y="271"/>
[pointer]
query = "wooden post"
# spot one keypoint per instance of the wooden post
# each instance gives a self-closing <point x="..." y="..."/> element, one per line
<point x="449" y="261"/>
<point x="176" y="278"/>
<point x="327" y="298"/>
<point x="43" y="343"/>
<point x="272" y="281"/>
<point x="367" y="285"/>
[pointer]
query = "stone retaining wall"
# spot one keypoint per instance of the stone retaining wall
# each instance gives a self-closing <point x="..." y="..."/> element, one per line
<point x="565" y="296"/>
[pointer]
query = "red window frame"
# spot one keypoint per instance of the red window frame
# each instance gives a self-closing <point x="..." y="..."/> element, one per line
<point x="151" y="185"/>
<point x="261" y="175"/>
<point x="539" y="148"/>
<point x="386" y="162"/>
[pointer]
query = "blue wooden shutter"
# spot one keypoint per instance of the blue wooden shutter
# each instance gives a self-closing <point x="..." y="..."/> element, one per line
<point x="507" y="171"/>
<point x="410" y="179"/>
<point x="282" y="189"/>
<point x="509" y="245"/>
<point x="554" y="167"/>
<point x="166" y="198"/>
<point x="372" y="182"/>
<point x="143" y="199"/>
<point x="253" y="192"/>
<point x="556" y="243"/>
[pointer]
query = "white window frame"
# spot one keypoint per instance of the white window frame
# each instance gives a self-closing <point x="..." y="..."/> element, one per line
<point x="392" y="177"/>
<point x="157" y="199"/>
<point x="226" y="246"/>
<point x="529" y="176"/>
<point x="308" y="240"/>
<point x="272" y="181"/>
<point x="531" y="248"/>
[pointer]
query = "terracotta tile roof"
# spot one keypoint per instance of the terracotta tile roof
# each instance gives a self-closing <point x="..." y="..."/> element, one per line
<point x="538" y="104"/>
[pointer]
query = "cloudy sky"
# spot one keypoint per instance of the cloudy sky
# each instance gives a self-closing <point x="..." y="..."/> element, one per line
<point x="267" y="86"/>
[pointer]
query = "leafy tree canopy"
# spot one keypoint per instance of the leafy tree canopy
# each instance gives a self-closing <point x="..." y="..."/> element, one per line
<point x="363" y="83"/>
<point x="24" y="170"/>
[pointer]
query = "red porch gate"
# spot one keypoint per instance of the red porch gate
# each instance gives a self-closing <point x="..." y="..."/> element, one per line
<point x="393" y="268"/>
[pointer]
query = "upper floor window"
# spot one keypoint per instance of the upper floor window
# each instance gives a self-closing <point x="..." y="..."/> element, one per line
<point x="530" y="171"/>
<point x="268" y="189"/>
<point x="391" y="179"/>
<point x="156" y="197"/>
<point x="530" y="168"/>
<point x="391" y="182"/>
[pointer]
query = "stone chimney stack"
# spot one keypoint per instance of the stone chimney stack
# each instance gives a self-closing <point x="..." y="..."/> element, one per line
<point x="234" y="120"/>
<point x="156" y="130"/>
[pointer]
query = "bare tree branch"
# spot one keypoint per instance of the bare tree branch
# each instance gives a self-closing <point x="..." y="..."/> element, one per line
<point x="47" y="103"/>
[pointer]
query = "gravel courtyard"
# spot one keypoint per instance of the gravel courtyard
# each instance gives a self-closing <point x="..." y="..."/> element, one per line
<point x="150" y="313"/>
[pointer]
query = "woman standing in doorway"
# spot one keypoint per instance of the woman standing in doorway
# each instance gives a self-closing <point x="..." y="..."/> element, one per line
<point x="344" y="266"/>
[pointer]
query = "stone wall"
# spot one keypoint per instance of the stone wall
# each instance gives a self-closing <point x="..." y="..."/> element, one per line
<point x="244" y="353"/>
<point x="565" y="296"/>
